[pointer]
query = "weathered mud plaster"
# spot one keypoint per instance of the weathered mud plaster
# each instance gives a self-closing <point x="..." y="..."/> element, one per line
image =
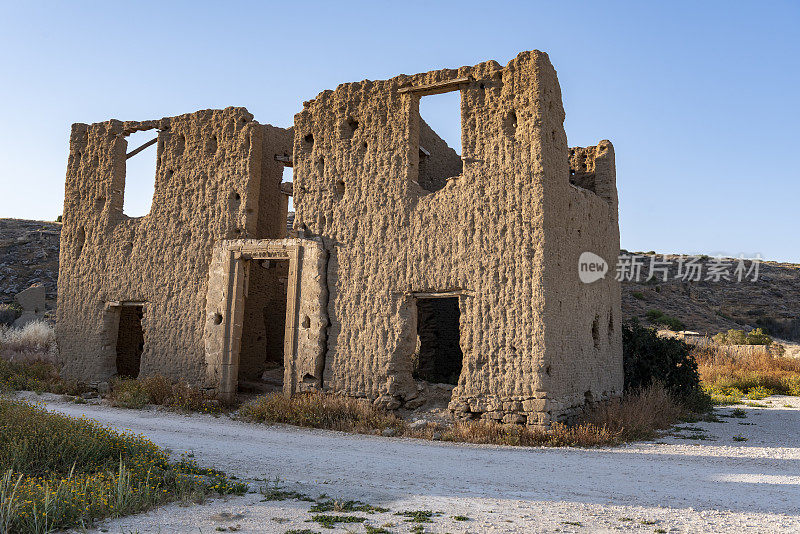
<point x="386" y="215"/>
<point x="216" y="179"/>
<point x="503" y="235"/>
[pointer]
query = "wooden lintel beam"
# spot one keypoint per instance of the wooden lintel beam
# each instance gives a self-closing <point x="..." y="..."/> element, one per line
<point x="435" y="88"/>
<point x="285" y="160"/>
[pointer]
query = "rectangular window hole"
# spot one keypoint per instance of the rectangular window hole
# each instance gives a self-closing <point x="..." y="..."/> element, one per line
<point x="438" y="358"/>
<point x="130" y="341"/>
<point x="439" y="140"/>
<point x="140" y="173"/>
<point x="287" y="178"/>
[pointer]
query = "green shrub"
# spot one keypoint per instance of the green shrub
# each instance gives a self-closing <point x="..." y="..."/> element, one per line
<point x="649" y="358"/>
<point x="660" y="318"/>
<point x="758" y="337"/>
<point x="638" y="295"/>
<point x="738" y="337"/>
<point x="758" y="393"/>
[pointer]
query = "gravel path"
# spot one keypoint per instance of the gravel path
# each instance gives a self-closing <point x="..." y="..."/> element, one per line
<point x="700" y="480"/>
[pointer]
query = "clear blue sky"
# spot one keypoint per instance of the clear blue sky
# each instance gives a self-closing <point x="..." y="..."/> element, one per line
<point x="699" y="98"/>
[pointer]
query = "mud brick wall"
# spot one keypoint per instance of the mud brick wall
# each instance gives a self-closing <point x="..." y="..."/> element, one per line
<point x="213" y="181"/>
<point x="504" y="235"/>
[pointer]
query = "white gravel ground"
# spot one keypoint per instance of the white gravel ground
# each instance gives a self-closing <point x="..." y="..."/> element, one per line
<point x="678" y="484"/>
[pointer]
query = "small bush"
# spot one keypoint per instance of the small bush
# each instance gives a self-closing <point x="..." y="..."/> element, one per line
<point x="639" y="414"/>
<point x="638" y="295"/>
<point x="738" y="337"/>
<point x="649" y="358"/>
<point x="660" y="318"/>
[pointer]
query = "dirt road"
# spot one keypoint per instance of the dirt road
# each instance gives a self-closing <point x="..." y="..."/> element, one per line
<point x="696" y="481"/>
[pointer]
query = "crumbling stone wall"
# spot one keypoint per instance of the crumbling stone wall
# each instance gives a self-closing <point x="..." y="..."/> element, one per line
<point x="508" y="229"/>
<point x="215" y="179"/>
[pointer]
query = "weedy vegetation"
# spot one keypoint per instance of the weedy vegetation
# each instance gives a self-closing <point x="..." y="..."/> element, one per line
<point x="728" y="378"/>
<point x="60" y="472"/>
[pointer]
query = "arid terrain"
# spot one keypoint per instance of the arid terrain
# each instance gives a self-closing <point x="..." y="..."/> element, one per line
<point x="29" y="254"/>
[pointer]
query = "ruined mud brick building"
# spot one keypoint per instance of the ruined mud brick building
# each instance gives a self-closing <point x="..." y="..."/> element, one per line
<point x="408" y="264"/>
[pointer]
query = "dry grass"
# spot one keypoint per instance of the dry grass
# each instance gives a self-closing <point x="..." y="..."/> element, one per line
<point x="318" y="410"/>
<point x="129" y="393"/>
<point x="558" y="435"/>
<point x="35" y="376"/>
<point x="637" y="416"/>
<point x="36" y="341"/>
<point x="724" y="375"/>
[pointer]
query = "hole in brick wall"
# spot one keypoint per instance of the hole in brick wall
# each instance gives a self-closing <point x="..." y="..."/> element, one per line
<point x="596" y="331"/>
<point x="130" y="341"/>
<point x="217" y="319"/>
<point x="306" y="322"/>
<point x="438" y="357"/>
<point x="340" y="187"/>
<point x="510" y="123"/>
<point x="287" y="178"/>
<point x="349" y="128"/>
<point x="180" y="145"/>
<point x="140" y="174"/>
<point x="439" y="140"/>
<point x="211" y="145"/>
<point x="80" y="240"/>
<point x="309" y="138"/>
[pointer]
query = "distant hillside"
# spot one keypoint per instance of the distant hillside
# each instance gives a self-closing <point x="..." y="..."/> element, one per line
<point x="772" y="302"/>
<point x="29" y="254"/>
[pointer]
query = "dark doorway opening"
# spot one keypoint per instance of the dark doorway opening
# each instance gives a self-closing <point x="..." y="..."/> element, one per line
<point x="261" y="352"/>
<point x="439" y="357"/>
<point x="130" y="341"/>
